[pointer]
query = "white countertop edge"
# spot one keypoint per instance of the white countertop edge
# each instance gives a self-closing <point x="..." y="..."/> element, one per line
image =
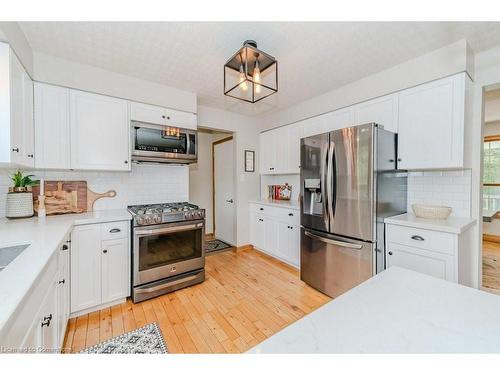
<point x="12" y="301"/>
<point x="454" y="225"/>
<point x="291" y="204"/>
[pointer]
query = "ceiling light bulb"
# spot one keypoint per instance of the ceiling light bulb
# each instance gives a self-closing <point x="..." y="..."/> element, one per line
<point x="243" y="83"/>
<point x="256" y="77"/>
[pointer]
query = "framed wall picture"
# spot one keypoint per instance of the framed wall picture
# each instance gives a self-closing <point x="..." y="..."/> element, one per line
<point x="249" y="161"/>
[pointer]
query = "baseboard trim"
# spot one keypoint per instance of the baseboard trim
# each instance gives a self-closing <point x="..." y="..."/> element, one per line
<point x="491" y="238"/>
<point x="97" y="308"/>
<point x="242" y="248"/>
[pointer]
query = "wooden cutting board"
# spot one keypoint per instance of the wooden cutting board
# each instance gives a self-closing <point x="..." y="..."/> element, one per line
<point x="63" y="197"/>
<point x="93" y="196"/>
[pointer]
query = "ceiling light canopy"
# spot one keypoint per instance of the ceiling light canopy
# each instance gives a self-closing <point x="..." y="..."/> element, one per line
<point x="250" y="74"/>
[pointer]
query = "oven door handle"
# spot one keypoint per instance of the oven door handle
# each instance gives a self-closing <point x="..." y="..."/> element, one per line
<point x="176" y="228"/>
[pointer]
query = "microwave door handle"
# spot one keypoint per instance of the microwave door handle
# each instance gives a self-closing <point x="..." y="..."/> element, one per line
<point x="177" y="228"/>
<point x="334" y="242"/>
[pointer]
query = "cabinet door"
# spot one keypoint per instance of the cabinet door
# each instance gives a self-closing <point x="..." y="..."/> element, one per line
<point x="63" y="293"/>
<point x="51" y="127"/>
<point x="431" y="125"/>
<point x="294" y="252"/>
<point x="99" y="132"/>
<point x="294" y="135"/>
<point x="267" y="154"/>
<point x="427" y="262"/>
<point x="32" y="341"/>
<point x="258" y="232"/>
<point x="85" y="267"/>
<point x="270" y="238"/>
<point x="339" y="119"/>
<point x="28" y="123"/>
<point x="383" y="111"/>
<point x="313" y="126"/>
<point x="115" y="270"/>
<point x="48" y="320"/>
<point x="17" y="113"/>
<point x="280" y="148"/>
<point x="148" y="113"/>
<point x="181" y="119"/>
<point x="283" y="240"/>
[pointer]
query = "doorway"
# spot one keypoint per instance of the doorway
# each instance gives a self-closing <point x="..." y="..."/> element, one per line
<point x="491" y="191"/>
<point x="223" y="190"/>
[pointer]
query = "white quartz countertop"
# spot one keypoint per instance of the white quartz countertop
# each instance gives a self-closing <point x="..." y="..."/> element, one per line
<point x="397" y="311"/>
<point x="454" y="225"/>
<point x="293" y="205"/>
<point x="44" y="236"/>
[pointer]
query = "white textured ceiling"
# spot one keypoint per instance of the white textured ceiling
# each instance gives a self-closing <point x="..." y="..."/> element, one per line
<point x="313" y="57"/>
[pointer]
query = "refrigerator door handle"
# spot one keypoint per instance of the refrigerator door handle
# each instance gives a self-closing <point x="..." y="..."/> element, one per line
<point x="330" y="185"/>
<point x="333" y="242"/>
<point x="324" y="164"/>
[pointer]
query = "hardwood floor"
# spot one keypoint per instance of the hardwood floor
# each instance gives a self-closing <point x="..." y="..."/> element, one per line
<point x="247" y="296"/>
<point x="491" y="265"/>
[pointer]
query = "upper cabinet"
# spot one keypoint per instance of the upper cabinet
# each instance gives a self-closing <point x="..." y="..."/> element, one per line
<point x="99" y="132"/>
<point x="431" y="125"/>
<point x="52" y="140"/>
<point x="383" y="111"/>
<point x="16" y="112"/>
<point x="162" y="116"/>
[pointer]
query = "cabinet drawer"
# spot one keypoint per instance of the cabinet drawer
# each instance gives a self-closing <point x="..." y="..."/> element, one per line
<point x="262" y="209"/>
<point x="291" y="217"/>
<point x="114" y="230"/>
<point x="423" y="239"/>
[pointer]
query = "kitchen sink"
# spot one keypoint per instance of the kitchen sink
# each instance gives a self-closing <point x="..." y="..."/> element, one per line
<point x="8" y="254"/>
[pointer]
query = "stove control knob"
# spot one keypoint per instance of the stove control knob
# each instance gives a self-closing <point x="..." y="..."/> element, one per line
<point x="140" y="220"/>
<point x="149" y="220"/>
<point x="157" y="219"/>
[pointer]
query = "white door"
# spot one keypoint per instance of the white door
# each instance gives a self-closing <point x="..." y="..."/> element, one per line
<point x="224" y="192"/>
<point x="115" y="270"/>
<point x="51" y="126"/>
<point x="100" y="132"/>
<point x="85" y="267"/>
<point x="383" y="111"/>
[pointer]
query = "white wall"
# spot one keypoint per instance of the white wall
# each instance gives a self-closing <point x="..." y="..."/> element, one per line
<point x="11" y="33"/>
<point x="145" y="184"/>
<point x="67" y="73"/>
<point x="443" y="62"/>
<point x="246" y="137"/>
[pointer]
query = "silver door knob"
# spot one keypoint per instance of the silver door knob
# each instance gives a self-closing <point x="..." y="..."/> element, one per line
<point x="229" y="201"/>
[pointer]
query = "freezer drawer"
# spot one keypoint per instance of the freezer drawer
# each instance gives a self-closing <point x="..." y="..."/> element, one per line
<point x="333" y="264"/>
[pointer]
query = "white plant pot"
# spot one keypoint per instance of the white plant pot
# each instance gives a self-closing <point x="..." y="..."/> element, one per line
<point x="19" y="205"/>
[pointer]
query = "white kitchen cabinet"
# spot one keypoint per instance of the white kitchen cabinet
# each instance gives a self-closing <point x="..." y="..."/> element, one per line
<point x="100" y="265"/>
<point x="85" y="267"/>
<point x="293" y="142"/>
<point x="49" y="319"/>
<point x="99" y="131"/>
<point x="267" y="152"/>
<point x="115" y="269"/>
<point x="162" y="116"/>
<point x="431" y="125"/>
<point x="52" y="136"/>
<point x="16" y="115"/>
<point x="276" y="231"/>
<point x="383" y="111"/>
<point x="327" y="122"/>
<point x="63" y="292"/>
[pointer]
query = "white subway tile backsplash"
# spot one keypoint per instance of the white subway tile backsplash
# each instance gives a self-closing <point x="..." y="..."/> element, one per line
<point x="448" y="188"/>
<point x="145" y="184"/>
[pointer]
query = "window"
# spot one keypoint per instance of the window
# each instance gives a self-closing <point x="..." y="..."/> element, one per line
<point x="491" y="174"/>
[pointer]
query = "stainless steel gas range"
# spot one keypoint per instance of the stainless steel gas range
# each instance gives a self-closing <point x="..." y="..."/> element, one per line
<point x="168" y="248"/>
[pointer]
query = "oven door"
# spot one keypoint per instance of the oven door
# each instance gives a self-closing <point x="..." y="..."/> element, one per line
<point x="166" y="250"/>
<point x="153" y="142"/>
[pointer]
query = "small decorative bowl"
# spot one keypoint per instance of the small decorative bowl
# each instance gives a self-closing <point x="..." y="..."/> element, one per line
<point x="431" y="212"/>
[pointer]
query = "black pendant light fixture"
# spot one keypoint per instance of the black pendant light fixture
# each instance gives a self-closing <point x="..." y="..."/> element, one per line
<point x="250" y="74"/>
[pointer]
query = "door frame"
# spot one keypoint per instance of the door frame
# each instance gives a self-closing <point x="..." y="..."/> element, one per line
<point x="227" y="139"/>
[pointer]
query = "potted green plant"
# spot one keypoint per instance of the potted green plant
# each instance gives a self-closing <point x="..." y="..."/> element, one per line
<point x="20" y="196"/>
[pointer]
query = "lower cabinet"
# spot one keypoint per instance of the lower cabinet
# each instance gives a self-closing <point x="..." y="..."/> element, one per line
<point x="100" y="265"/>
<point x="444" y="255"/>
<point x="276" y="231"/>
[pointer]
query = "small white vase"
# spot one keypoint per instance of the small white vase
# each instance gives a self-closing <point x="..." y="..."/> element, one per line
<point x="19" y="205"/>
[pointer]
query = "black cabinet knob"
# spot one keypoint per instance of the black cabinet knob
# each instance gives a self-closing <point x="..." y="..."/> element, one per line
<point x="399" y="159"/>
<point x="126" y="161"/>
<point x="65" y="247"/>
<point x="290" y="214"/>
<point x="30" y="155"/>
<point x="46" y="320"/>
<point x="62" y="281"/>
<point x="261" y="209"/>
<point x="105" y="251"/>
<point x="390" y="252"/>
<point x="16" y="149"/>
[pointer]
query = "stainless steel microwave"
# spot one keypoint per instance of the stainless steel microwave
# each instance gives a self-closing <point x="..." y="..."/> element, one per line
<point x="163" y="144"/>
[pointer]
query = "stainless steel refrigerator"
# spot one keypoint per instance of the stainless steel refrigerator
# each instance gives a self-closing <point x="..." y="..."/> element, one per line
<point x="349" y="184"/>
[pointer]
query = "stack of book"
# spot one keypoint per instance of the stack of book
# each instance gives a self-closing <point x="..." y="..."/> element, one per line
<point x="280" y="192"/>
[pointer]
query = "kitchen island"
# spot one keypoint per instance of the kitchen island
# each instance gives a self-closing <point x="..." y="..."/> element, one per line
<point x="397" y="311"/>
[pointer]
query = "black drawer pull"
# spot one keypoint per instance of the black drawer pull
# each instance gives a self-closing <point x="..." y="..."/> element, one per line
<point x="290" y="214"/>
<point x="115" y="230"/>
<point x="417" y="238"/>
<point x="46" y="320"/>
<point x="261" y="209"/>
<point x="65" y="247"/>
<point x="62" y="281"/>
